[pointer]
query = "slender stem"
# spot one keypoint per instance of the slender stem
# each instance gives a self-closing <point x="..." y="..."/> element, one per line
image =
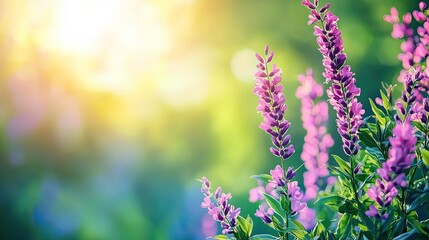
<point x="286" y="221"/>
<point x="355" y="194"/>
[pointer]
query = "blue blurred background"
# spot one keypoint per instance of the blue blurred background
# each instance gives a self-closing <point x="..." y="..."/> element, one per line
<point x="110" y="109"/>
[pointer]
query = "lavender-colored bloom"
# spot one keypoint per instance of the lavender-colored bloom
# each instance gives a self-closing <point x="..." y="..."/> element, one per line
<point x="415" y="46"/>
<point x="343" y="91"/>
<point x="255" y="194"/>
<point x="401" y="157"/>
<point x="277" y="175"/>
<point x="272" y="105"/>
<point x="264" y="215"/>
<point x="308" y="218"/>
<point x="406" y="105"/>
<point x="401" y="154"/>
<point x="295" y="195"/>
<point x="220" y="209"/>
<point x="314" y="116"/>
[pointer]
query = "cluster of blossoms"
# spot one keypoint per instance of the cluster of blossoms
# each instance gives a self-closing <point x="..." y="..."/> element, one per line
<point x="220" y="209"/>
<point x="401" y="138"/>
<point x="272" y="105"/>
<point x="314" y="116"/>
<point x="407" y="105"/>
<point x="343" y="91"/>
<point x="401" y="156"/>
<point x="415" y="46"/>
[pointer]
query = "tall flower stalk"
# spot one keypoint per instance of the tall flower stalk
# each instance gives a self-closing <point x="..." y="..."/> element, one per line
<point x="317" y="141"/>
<point x="415" y="43"/>
<point x="343" y="91"/>
<point x="272" y="106"/>
<point x="401" y="156"/>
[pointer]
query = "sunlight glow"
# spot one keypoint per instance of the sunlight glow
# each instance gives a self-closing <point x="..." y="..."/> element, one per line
<point x="114" y="41"/>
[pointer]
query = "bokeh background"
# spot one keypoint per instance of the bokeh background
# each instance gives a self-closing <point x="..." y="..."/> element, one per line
<point x="110" y="109"/>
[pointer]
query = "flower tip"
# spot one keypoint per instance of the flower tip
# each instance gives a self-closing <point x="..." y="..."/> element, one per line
<point x="266" y="49"/>
<point x="260" y="59"/>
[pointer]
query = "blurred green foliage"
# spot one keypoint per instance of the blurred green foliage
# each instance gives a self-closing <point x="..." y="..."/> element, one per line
<point x="127" y="170"/>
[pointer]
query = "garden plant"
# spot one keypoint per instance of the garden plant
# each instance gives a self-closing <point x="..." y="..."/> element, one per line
<point x="378" y="188"/>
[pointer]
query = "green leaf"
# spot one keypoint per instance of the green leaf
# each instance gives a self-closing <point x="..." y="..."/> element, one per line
<point x="379" y="115"/>
<point x="376" y="153"/>
<point x="387" y="223"/>
<point x="344" y="227"/>
<point x="300" y="234"/>
<point x="285" y="203"/>
<point x="418" y="202"/>
<point x="246" y="225"/>
<point x="330" y="200"/>
<point x="425" y="156"/>
<point x="386" y="102"/>
<point x="365" y="136"/>
<point x="339" y="172"/>
<point x="298" y="225"/>
<point x="345" y="166"/>
<point x="219" y="237"/>
<point x="400" y="225"/>
<point x="367" y="221"/>
<point x="348" y="207"/>
<point x="318" y="230"/>
<point x="263" y="237"/>
<point x="249" y="223"/>
<point x="407" y="235"/>
<point x="274" y="204"/>
<point x="279" y="227"/>
<point x="367" y="179"/>
<point x="262" y="177"/>
<point x="419" y="126"/>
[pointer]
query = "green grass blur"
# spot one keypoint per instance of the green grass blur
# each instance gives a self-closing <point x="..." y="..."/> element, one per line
<point x="109" y="114"/>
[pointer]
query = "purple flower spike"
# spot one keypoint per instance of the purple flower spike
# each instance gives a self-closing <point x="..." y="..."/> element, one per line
<point x="401" y="157"/>
<point x="317" y="140"/>
<point x="343" y="90"/>
<point x="406" y="104"/>
<point x="272" y="106"/>
<point x="415" y="43"/>
<point x="219" y="208"/>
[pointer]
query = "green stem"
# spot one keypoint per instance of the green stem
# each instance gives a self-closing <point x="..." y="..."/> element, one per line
<point x="286" y="221"/>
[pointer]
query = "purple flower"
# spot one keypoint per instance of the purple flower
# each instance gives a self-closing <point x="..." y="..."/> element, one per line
<point x="343" y="91"/>
<point x="415" y="46"/>
<point x="406" y="105"/>
<point x="295" y="195"/>
<point x="308" y="218"/>
<point x="219" y="208"/>
<point x="317" y="140"/>
<point x="272" y="106"/>
<point x="401" y="157"/>
<point x="255" y="194"/>
<point x="264" y="215"/>
<point x="401" y="154"/>
<point x="277" y="175"/>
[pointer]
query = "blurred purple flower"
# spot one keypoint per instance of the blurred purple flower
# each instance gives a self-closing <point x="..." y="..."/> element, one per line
<point x="308" y="218"/>
<point x="415" y="46"/>
<point x="272" y="106"/>
<point x="317" y="140"/>
<point x="343" y="91"/>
